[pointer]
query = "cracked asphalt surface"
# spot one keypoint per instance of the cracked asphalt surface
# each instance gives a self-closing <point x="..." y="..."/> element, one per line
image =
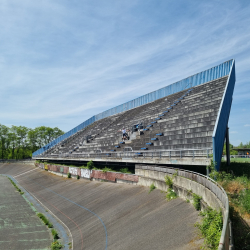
<point x="20" y="228"/>
<point x="103" y="215"/>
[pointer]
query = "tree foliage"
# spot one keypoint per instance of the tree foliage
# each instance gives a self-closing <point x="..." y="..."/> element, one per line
<point x="18" y="142"/>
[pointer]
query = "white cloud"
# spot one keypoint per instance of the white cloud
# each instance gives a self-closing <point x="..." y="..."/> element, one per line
<point x="247" y="125"/>
<point x="65" y="63"/>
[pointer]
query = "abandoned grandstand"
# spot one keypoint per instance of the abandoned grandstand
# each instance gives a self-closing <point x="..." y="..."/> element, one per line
<point x="184" y="123"/>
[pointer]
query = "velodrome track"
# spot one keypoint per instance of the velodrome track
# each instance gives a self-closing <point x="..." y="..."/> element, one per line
<point x="102" y="215"/>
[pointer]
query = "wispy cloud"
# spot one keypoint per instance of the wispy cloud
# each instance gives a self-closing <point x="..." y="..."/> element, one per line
<point x="247" y="125"/>
<point x="62" y="63"/>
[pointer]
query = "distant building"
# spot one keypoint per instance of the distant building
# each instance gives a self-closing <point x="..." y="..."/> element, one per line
<point x="243" y="151"/>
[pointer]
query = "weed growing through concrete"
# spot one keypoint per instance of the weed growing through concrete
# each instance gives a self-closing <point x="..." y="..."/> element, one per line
<point x="187" y="200"/>
<point x="171" y="194"/>
<point x="14" y="184"/>
<point x="55" y="234"/>
<point x="197" y="202"/>
<point x="69" y="175"/>
<point x="77" y="177"/>
<point x="211" y="227"/>
<point x="169" y="181"/>
<point x="152" y="187"/>
<point x="45" y="220"/>
<point x="56" y="245"/>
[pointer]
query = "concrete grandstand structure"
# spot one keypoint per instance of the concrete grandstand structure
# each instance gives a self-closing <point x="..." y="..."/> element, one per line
<point x="184" y="123"/>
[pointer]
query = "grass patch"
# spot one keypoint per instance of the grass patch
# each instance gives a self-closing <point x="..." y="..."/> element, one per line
<point x="210" y="228"/>
<point x="242" y="160"/>
<point x="45" y="220"/>
<point x="17" y="188"/>
<point x="151" y="188"/>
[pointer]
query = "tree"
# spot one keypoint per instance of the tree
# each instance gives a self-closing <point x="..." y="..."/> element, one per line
<point x="19" y="142"/>
<point x="3" y="140"/>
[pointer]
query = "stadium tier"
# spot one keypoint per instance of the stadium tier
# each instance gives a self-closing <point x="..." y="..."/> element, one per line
<point x="184" y="123"/>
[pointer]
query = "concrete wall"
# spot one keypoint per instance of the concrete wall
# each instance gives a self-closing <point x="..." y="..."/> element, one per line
<point x="90" y="174"/>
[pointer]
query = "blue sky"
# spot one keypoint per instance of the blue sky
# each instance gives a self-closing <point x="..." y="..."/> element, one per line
<point x="62" y="62"/>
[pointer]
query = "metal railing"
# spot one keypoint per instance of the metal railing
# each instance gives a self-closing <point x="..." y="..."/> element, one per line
<point x="178" y="153"/>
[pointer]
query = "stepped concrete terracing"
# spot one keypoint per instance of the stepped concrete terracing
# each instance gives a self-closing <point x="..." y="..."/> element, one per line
<point x="180" y="126"/>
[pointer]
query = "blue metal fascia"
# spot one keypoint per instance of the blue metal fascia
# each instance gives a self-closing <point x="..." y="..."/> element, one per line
<point x="223" y="117"/>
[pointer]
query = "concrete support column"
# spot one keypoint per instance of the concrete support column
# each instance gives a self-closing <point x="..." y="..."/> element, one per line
<point x="227" y="146"/>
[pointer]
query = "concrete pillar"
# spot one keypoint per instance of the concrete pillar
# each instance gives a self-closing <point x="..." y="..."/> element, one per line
<point x="227" y="146"/>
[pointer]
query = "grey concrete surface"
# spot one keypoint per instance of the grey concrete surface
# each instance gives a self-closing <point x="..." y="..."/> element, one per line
<point x="20" y="228"/>
<point x="133" y="218"/>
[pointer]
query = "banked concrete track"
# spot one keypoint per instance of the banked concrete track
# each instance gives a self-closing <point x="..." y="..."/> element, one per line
<point x="103" y="215"/>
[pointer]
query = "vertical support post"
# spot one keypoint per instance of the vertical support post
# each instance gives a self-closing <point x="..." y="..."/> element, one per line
<point x="227" y="146"/>
<point x="180" y="154"/>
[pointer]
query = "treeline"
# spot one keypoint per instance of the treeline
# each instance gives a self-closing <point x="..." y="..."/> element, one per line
<point x="241" y="145"/>
<point x="19" y="142"/>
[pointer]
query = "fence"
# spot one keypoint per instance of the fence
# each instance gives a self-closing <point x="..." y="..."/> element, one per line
<point x="197" y="79"/>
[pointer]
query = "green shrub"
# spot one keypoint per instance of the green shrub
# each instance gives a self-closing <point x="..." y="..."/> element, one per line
<point x="77" y="177"/>
<point x="106" y="169"/>
<point x="56" y="245"/>
<point x="244" y="200"/>
<point x="125" y="170"/>
<point x="169" y="181"/>
<point x="171" y="194"/>
<point x="211" y="227"/>
<point x="90" y="165"/>
<point x="187" y="200"/>
<point x="69" y="175"/>
<point x="197" y="201"/>
<point x="152" y="187"/>
<point x="55" y="234"/>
